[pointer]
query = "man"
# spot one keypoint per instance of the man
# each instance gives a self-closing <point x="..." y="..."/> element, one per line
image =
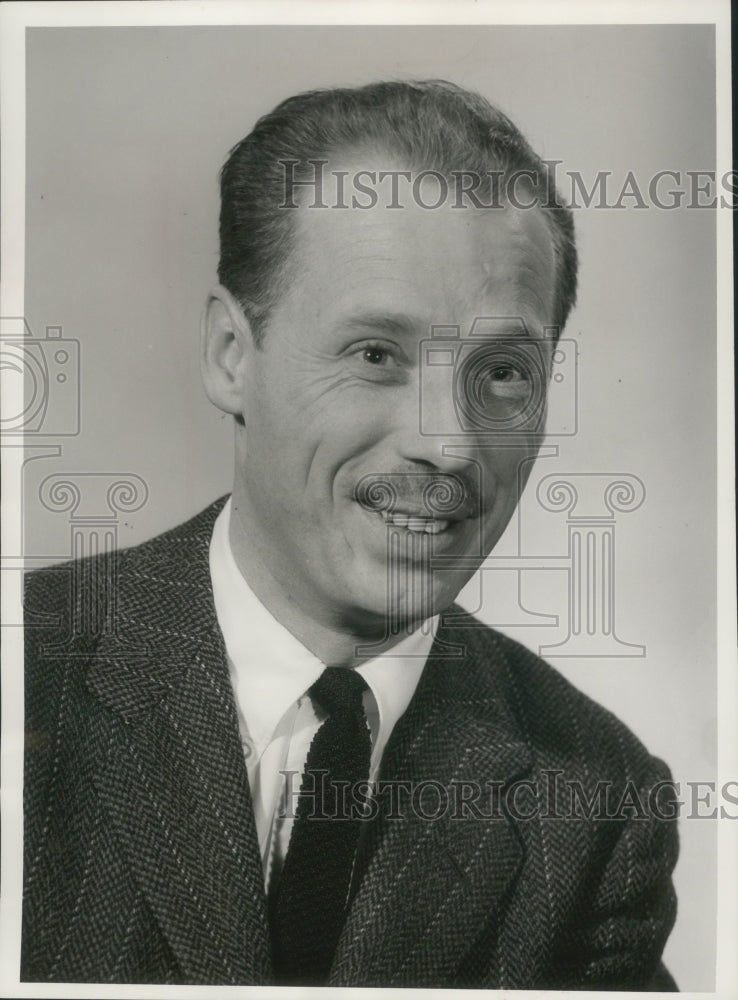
<point x="235" y="783"/>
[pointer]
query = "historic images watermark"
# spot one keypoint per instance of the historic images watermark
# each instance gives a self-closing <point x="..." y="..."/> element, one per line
<point x="553" y="797"/>
<point x="311" y="185"/>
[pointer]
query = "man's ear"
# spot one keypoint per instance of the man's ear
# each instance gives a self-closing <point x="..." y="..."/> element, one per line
<point x="225" y="344"/>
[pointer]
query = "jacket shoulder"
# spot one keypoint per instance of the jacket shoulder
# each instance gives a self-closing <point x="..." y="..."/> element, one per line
<point x="67" y="605"/>
<point x="563" y="726"/>
<point x="49" y="589"/>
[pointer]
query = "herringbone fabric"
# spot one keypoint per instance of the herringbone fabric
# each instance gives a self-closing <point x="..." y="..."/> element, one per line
<point x="141" y="859"/>
<point x="312" y="896"/>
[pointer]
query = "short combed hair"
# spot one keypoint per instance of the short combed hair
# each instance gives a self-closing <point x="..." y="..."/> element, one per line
<point x="428" y="125"/>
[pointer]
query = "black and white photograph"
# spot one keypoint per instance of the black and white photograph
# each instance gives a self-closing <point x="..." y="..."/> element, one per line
<point x="368" y="553"/>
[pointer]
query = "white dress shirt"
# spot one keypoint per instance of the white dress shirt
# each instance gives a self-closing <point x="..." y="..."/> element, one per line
<point x="271" y="672"/>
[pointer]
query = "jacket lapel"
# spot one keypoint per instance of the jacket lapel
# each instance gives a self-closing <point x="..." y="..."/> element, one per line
<point x="174" y="781"/>
<point x="436" y="876"/>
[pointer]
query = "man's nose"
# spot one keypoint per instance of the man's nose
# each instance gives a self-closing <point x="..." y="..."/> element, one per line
<point x="430" y="427"/>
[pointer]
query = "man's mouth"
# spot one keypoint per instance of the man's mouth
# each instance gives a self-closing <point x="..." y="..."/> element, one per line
<point x="416" y="502"/>
<point x="413" y="522"/>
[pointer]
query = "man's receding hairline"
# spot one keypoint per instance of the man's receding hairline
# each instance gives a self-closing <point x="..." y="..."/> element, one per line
<point x="422" y="122"/>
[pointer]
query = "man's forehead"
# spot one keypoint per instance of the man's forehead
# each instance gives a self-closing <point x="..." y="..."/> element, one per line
<point x="441" y="263"/>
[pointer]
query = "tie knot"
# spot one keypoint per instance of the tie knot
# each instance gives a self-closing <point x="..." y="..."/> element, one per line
<point x="339" y="689"/>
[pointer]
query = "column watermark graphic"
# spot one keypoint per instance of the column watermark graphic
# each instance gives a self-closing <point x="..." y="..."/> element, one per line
<point x="591" y="503"/>
<point x="93" y="503"/>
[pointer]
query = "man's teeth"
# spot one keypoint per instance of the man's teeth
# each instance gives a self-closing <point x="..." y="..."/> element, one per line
<point x="429" y="525"/>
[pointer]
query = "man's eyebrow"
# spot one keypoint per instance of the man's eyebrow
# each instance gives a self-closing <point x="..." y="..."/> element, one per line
<point x="510" y="327"/>
<point x="406" y="324"/>
<point x="392" y="323"/>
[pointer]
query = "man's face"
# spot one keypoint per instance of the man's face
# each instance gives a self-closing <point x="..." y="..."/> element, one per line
<point x="341" y="395"/>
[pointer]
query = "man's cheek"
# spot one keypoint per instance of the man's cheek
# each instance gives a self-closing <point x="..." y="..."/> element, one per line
<point x="506" y="470"/>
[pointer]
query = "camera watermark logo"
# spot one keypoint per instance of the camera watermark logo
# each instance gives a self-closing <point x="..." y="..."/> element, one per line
<point x="499" y="377"/>
<point x="41" y="381"/>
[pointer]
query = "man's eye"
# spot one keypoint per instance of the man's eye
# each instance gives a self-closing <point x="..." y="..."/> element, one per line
<point x="380" y="363"/>
<point x="499" y="375"/>
<point x="506" y="373"/>
<point x="375" y="355"/>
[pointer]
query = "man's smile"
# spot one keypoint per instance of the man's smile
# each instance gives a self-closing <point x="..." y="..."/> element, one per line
<point x="414" y="522"/>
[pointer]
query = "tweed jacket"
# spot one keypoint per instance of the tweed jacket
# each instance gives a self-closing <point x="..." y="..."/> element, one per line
<point x="141" y="859"/>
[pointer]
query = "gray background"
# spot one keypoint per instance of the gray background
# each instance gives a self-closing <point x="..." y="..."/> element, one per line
<point x="126" y="131"/>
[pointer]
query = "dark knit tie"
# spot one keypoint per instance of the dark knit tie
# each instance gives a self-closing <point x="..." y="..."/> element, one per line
<point x="309" y="910"/>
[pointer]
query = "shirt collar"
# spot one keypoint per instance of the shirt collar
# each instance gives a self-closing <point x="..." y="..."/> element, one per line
<point x="271" y="669"/>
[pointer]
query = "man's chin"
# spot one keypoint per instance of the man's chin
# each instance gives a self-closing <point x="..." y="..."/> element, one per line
<point x="392" y="584"/>
<point x="384" y="613"/>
